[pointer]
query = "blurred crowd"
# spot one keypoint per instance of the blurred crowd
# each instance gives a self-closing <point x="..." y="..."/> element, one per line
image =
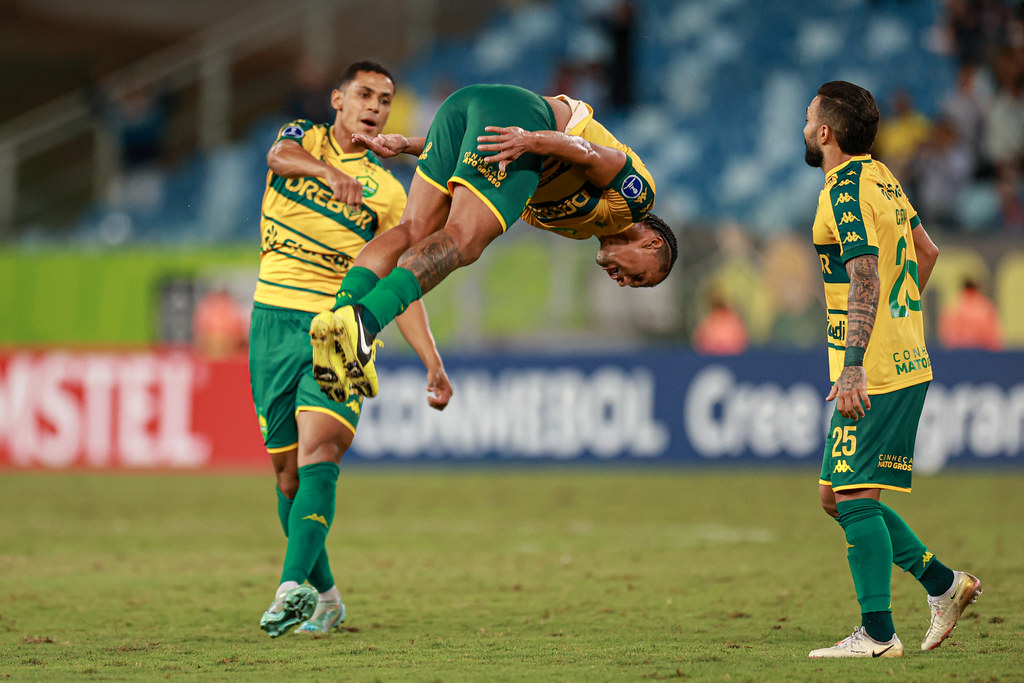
<point x="961" y="162"/>
<point x="964" y="166"/>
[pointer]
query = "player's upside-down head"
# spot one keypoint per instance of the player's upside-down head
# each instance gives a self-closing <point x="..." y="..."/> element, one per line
<point x="640" y="256"/>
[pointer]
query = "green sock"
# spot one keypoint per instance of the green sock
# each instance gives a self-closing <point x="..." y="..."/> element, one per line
<point x="310" y="519"/>
<point x="911" y="555"/>
<point x="878" y="622"/>
<point x="358" y="282"/>
<point x="320" y="576"/>
<point x="870" y="558"/>
<point x="937" y="578"/>
<point x="389" y="298"/>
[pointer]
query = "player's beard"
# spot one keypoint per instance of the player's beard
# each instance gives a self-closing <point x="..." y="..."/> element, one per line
<point x="813" y="155"/>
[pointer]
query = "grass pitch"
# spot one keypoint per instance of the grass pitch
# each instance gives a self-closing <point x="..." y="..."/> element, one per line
<point x="490" y="575"/>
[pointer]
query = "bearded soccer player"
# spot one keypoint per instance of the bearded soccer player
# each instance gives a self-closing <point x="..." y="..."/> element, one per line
<point x="875" y="260"/>
<point x="326" y="197"/>
<point x="494" y="153"/>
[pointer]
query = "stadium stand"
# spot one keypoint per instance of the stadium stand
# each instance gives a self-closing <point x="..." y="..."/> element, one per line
<point x="723" y="85"/>
<point x="719" y="96"/>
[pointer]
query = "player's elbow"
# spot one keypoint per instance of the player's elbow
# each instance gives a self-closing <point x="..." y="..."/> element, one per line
<point x="275" y="159"/>
<point x="930" y="253"/>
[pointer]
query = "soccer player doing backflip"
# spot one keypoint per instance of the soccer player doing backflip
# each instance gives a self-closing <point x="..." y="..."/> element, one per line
<point x="494" y="153"/>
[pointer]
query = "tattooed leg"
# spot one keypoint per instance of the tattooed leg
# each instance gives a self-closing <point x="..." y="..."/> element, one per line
<point x="432" y="259"/>
<point x="471" y="227"/>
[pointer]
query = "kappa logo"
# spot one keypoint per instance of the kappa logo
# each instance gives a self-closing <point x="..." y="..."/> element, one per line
<point x="852" y="237"/>
<point x="263" y="426"/>
<point x="926" y="558"/>
<point x="632" y="186"/>
<point x="293" y="132"/>
<point x="426" y="150"/>
<point x="848" y="218"/>
<point x="846" y="182"/>
<point x="317" y="518"/>
<point x="852" y="171"/>
<point x="842" y="466"/>
<point x="843" y="198"/>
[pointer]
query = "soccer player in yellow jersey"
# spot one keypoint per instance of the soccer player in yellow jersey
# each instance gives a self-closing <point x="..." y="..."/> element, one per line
<point x="326" y="197"/>
<point x="494" y="153"/>
<point x="875" y="260"/>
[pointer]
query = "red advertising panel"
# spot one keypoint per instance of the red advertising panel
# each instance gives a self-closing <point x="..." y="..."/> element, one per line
<point x="137" y="410"/>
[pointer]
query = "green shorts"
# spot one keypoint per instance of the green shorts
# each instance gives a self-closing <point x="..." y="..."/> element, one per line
<point x="450" y="155"/>
<point x="281" y="376"/>
<point x="876" y="451"/>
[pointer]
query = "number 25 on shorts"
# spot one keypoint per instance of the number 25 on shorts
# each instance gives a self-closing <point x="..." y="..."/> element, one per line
<point x="844" y="441"/>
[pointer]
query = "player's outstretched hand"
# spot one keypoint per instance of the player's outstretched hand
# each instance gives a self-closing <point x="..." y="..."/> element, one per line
<point x="439" y="388"/>
<point x="510" y="143"/>
<point x="384" y="146"/>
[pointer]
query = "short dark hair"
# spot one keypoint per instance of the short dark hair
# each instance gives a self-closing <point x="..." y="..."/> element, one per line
<point x="852" y="114"/>
<point x="363" y="65"/>
<point x="669" y="252"/>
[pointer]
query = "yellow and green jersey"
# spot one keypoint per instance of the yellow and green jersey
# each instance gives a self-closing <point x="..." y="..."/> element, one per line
<point x="309" y="239"/>
<point x="862" y="210"/>
<point x="565" y="202"/>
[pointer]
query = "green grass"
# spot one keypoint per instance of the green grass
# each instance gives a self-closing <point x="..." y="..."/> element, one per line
<point x="490" y="575"/>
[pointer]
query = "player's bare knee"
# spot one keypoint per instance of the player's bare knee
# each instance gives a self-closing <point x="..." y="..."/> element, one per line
<point x="828" y="501"/>
<point x="330" y="447"/>
<point x="469" y="241"/>
<point x="415" y="231"/>
<point x="288" y="484"/>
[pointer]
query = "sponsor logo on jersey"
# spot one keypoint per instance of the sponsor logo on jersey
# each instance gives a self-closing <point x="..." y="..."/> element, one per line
<point x="846" y="182"/>
<point x="889" y="190"/>
<point x="851" y="237"/>
<point x="848" y="218"/>
<point x="293" y="132"/>
<point x="579" y="204"/>
<point x="632" y="186"/>
<point x="843" y="198"/>
<point x="426" y="150"/>
<point x="835" y="330"/>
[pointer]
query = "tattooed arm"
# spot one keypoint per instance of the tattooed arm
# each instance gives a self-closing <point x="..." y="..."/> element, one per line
<point x="850" y="391"/>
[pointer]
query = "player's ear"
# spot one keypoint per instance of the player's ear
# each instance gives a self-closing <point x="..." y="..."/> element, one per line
<point x="337" y="99"/>
<point x="654" y="241"/>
